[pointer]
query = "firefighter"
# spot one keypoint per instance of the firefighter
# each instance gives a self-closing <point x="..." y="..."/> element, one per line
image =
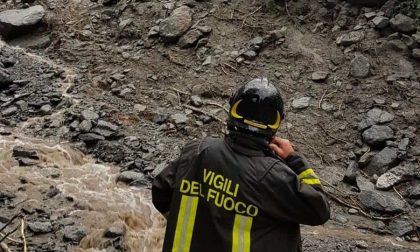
<point x="246" y="192"/>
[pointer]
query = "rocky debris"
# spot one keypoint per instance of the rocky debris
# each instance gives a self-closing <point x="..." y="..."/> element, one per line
<point x="190" y="38"/>
<point x="377" y="135"/>
<point x="362" y="244"/>
<point x="319" y="76"/>
<point x="249" y="54"/>
<point x="381" y="202"/>
<point x="114" y="232"/>
<point x="91" y="137"/>
<point x="382" y="161"/>
<point x="404" y="24"/>
<point x="9" y="111"/>
<point x="40" y="227"/>
<point x="176" y="24"/>
<point x="350" y="38"/>
<point x="351" y="173"/>
<point x="415" y="192"/>
<point x="12" y="22"/>
<point x="360" y="66"/>
<point x="74" y="234"/>
<point x="379" y="116"/>
<point x="130" y="176"/>
<point x="85" y="126"/>
<point x="5" y="80"/>
<point x="416" y="53"/>
<point x="89" y="115"/>
<point x="23" y="152"/>
<point x="380" y="22"/>
<point x="32" y="41"/>
<point x="416" y="38"/>
<point x="400" y="227"/>
<point x="395" y="176"/>
<point x="139" y="108"/>
<point x="105" y="129"/>
<point x="179" y="118"/>
<point x="301" y="103"/>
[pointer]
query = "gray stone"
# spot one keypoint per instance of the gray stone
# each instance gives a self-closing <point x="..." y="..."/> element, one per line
<point x="351" y="173"/>
<point x="395" y="176"/>
<point x="24" y="152"/>
<point x="249" y="55"/>
<point x="360" y="66"/>
<point x="114" y="232"/>
<point x="46" y="109"/>
<point x="416" y="37"/>
<point x="377" y="135"/>
<point x="85" y="126"/>
<point x="301" y="103"/>
<point x="257" y="41"/>
<point x="341" y="219"/>
<point x="32" y="41"/>
<point x="153" y="32"/>
<point x="5" y="80"/>
<point x="415" y="192"/>
<point x="179" y="118"/>
<point x="130" y="176"/>
<point x="403" y="144"/>
<point x="404" y="24"/>
<point x="398" y="45"/>
<point x="362" y="244"/>
<point x="353" y="211"/>
<point x="416" y="53"/>
<point x="40" y="227"/>
<point x="400" y="227"/>
<point x="380" y="22"/>
<point x="176" y="24"/>
<point x="204" y="29"/>
<point x="364" y="184"/>
<point x="89" y="115"/>
<point x="382" y="161"/>
<point x="319" y="76"/>
<point x="190" y="38"/>
<point x="103" y="132"/>
<point x="350" y="38"/>
<point x="379" y="116"/>
<point x="12" y="21"/>
<point x="9" y="111"/>
<point x="196" y="101"/>
<point x="91" y="137"/>
<point x="107" y="125"/>
<point x="381" y="202"/>
<point x="74" y="234"/>
<point x="139" y="108"/>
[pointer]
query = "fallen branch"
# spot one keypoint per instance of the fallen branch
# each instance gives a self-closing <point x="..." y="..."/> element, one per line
<point x="4" y="247"/>
<point x="250" y="14"/>
<point x="231" y="67"/>
<point x="322" y="99"/>
<point x="333" y="137"/>
<point x="179" y="91"/>
<point x="9" y="222"/>
<point x="9" y="233"/>
<point x="402" y="198"/>
<point x="217" y="105"/>
<point x="204" y="113"/>
<point x="22" y="233"/>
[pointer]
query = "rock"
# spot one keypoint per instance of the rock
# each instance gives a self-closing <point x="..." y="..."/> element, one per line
<point x="176" y="24"/>
<point x="190" y="38"/>
<point x="353" y="211"/>
<point x="107" y="125"/>
<point x="204" y="29"/>
<point x="13" y="22"/>
<point x="400" y="227"/>
<point x="114" y="232"/>
<point x="369" y="3"/>
<point x="379" y="116"/>
<point x="403" y="24"/>
<point x="23" y="152"/>
<point x="382" y="161"/>
<point x="403" y="144"/>
<point x="416" y="38"/>
<point x="350" y="38"/>
<point x="9" y="62"/>
<point x="395" y="176"/>
<point x="139" y="108"/>
<point x="130" y="176"/>
<point x="397" y="45"/>
<point x="9" y="111"/>
<point x="85" y="126"/>
<point x="380" y="202"/>
<point x="103" y="132"/>
<point x="377" y="135"/>
<point x="351" y="173"/>
<point x="73" y="234"/>
<point x="415" y="192"/>
<point x="319" y="76"/>
<point x="179" y="118"/>
<point x="301" y="103"/>
<point x="91" y="137"/>
<point x="46" y="109"/>
<point x="27" y="162"/>
<point x="362" y="244"/>
<point x="249" y="55"/>
<point x="5" y="80"/>
<point x="196" y="101"/>
<point x="89" y="115"/>
<point x="153" y="32"/>
<point x="40" y="227"/>
<point x="380" y="22"/>
<point x="258" y="41"/>
<point x="416" y="53"/>
<point x="364" y="184"/>
<point x="360" y="67"/>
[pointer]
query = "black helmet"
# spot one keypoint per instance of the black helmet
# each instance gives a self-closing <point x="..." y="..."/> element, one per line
<point x="256" y="109"/>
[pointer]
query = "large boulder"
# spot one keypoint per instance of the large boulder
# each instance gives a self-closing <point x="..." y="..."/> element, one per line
<point x="404" y="24"/>
<point x="382" y="161"/>
<point x="176" y="24"/>
<point x="13" y="22"/>
<point x="381" y="202"/>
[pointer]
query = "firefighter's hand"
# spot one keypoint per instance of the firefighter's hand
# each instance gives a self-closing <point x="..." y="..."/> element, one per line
<point x="281" y="147"/>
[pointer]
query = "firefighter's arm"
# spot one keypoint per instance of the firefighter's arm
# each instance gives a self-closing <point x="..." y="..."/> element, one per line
<point x="163" y="186"/>
<point x="295" y="193"/>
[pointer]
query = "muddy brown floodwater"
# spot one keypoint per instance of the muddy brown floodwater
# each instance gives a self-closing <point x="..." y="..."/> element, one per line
<point x="108" y="203"/>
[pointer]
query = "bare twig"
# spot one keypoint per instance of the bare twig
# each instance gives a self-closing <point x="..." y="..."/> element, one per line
<point x="250" y="14"/>
<point x="332" y="186"/>
<point x="10" y="221"/>
<point x="231" y="67"/>
<point x="204" y="113"/>
<point x="333" y="137"/>
<point x="9" y="233"/>
<point x="322" y="98"/>
<point x="22" y="233"/>
<point x="399" y="194"/>
<point x="217" y="105"/>
<point x="4" y="247"/>
<point x="286" y="4"/>
<point x="179" y="91"/>
<point x="223" y="70"/>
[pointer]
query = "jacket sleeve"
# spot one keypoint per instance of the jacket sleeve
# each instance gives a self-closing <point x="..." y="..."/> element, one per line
<point x="164" y="184"/>
<point x="293" y="193"/>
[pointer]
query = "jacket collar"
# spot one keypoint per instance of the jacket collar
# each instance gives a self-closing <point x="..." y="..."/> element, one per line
<point x="247" y="145"/>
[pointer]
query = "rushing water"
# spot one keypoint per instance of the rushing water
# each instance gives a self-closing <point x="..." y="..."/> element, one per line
<point x="109" y="203"/>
